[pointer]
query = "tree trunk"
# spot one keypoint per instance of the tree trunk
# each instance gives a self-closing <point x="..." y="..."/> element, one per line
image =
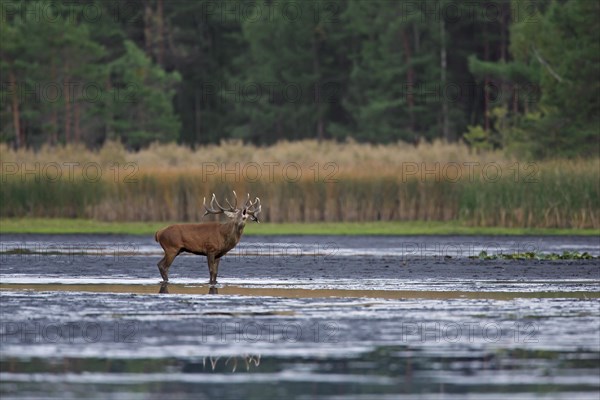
<point x="197" y="117"/>
<point x="76" y="128"/>
<point x="53" y="113"/>
<point x="160" y="34"/>
<point x="320" y="129"/>
<point x="53" y="126"/>
<point x="410" y="80"/>
<point x="109" y="133"/>
<point x="15" y="111"/>
<point x="318" y="88"/>
<point x="67" y="95"/>
<point x="148" y="16"/>
<point x="504" y="31"/>
<point x="486" y="94"/>
<point x="279" y="128"/>
<point x="416" y="37"/>
<point x="443" y="62"/>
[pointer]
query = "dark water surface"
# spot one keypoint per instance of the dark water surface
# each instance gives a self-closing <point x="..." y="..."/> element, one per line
<point x="298" y="318"/>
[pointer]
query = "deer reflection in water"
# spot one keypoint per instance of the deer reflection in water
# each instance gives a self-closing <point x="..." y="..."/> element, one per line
<point x="232" y="361"/>
<point x="164" y="289"/>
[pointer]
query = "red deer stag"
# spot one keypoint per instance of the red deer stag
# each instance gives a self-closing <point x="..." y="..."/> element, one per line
<point x="210" y="239"/>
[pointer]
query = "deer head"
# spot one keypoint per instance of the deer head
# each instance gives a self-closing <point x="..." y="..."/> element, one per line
<point x="250" y="209"/>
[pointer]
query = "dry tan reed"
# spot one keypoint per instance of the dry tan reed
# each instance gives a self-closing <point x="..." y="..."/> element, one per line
<point x="303" y="182"/>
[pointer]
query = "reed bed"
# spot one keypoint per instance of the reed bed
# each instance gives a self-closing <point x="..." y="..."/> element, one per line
<point x="302" y="181"/>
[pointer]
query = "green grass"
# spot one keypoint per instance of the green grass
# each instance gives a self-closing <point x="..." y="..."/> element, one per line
<point x="59" y="225"/>
<point x="64" y="225"/>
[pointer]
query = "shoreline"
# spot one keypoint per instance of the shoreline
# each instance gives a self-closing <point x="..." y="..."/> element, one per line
<point x="379" y="228"/>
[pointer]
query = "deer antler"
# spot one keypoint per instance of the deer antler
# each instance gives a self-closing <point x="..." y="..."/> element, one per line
<point x="253" y="208"/>
<point x="232" y="208"/>
<point x="212" y="210"/>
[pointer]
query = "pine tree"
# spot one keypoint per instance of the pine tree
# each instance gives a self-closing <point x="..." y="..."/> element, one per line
<point x="141" y="101"/>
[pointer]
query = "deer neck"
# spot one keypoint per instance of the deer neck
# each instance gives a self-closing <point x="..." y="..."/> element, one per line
<point x="232" y="232"/>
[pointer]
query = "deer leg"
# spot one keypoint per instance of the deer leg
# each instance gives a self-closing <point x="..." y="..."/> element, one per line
<point x="164" y="264"/>
<point x="164" y="288"/>
<point x="217" y="260"/>
<point x="212" y="268"/>
<point x="161" y="270"/>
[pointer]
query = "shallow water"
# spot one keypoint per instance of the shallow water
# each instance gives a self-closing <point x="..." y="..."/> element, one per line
<point x="296" y="292"/>
<point x="79" y="324"/>
<point x="312" y="246"/>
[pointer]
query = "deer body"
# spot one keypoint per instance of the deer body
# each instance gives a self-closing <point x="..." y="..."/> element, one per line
<point x="210" y="239"/>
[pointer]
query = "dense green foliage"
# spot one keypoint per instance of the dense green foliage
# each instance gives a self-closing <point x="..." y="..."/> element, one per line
<point x="555" y="71"/>
<point x="523" y="76"/>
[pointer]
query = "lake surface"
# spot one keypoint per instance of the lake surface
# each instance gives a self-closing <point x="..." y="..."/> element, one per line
<point x="84" y="316"/>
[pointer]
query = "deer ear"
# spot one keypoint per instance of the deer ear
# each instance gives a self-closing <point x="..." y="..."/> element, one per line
<point x="244" y="211"/>
<point x="230" y="214"/>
